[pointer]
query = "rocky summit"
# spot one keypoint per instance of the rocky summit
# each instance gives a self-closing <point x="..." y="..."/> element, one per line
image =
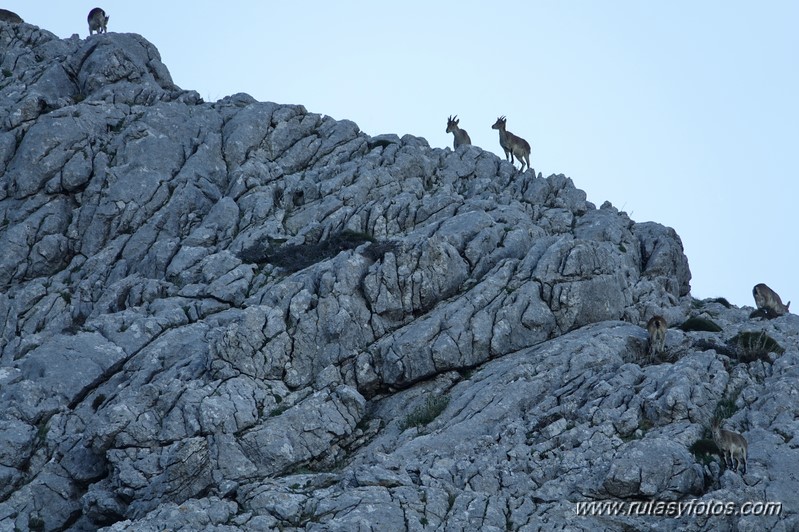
<point x="246" y="316"/>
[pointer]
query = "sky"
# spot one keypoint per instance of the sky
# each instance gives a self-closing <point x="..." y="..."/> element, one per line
<point x="684" y="113"/>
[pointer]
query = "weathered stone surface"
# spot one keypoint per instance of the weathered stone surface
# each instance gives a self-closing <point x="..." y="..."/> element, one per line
<point x="653" y="469"/>
<point x="245" y="316"/>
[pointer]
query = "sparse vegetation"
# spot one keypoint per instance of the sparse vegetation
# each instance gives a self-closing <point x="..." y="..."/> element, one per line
<point x="296" y="257"/>
<point x="543" y="423"/>
<point x="703" y="449"/>
<point x="466" y="373"/>
<point x="35" y="523"/>
<point x="42" y="429"/>
<point x="77" y="322"/>
<point x="99" y="400"/>
<point x="721" y="301"/>
<point x="424" y="414"/>
<point x="725" y="408"/>
<point x="278" y="410"/>
<point x="751" y="346"/>
<point x="377" y="250"/>
<point x="700" y="324"/>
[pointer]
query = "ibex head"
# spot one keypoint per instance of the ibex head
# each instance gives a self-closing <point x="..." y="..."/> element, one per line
<point x="511" y="144"/>
<point x="461" y="137"/>
<point x="452" y="124"/>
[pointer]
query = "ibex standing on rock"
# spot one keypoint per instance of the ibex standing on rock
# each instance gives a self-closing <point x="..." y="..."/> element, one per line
<point x="768" y="301"/>
<point x="512" y="144"/>
<point x="97" y="20"/>
<point x="461" y="137"/>
<point x="730" y="444"/>
<point x="656" y="327"/>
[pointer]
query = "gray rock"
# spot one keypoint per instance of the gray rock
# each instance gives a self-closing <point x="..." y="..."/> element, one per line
<point x="246" y="316"/>
<point x="653" y="469"/>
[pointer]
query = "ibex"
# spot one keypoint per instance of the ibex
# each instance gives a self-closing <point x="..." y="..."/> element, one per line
<point x="730" y="444"/>
<point x="461" y="137"/>
<point x="97" y="20"/>
<point x="512" y="144"/>
<point x="10" y="17"/>
<point x="656" y="327"/>
<point x="768" y="301"/>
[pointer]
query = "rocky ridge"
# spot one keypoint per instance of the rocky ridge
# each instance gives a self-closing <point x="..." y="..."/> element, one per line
<point x="242" y="315"/>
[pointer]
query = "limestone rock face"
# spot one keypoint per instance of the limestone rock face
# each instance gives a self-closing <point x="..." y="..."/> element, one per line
<point x="243" y="315"/>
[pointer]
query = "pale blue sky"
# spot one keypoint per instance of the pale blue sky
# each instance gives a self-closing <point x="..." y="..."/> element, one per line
<point x="680" y="112"/>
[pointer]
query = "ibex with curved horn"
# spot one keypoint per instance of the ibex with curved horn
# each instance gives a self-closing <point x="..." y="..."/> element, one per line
<point x="461" y="137"/>
<point x="731" y="444"/>
<point x="512" y="144"/>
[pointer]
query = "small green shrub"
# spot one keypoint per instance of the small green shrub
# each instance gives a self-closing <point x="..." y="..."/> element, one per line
<point x="751" y="346"/>
<point x="466" y="373"/>
<point x="450" y="502"/>
<point x="98" y="401"/>
<point x="424" y="414"/>
<point x="42" y="429"/>
<point x="725" y="408"/>
<point x="700" y="324"/>
<point x="703" y="449"/>
<point x="278" y="410"/>
<point x="721" y="301"/>
<point x="35" y="523"/>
